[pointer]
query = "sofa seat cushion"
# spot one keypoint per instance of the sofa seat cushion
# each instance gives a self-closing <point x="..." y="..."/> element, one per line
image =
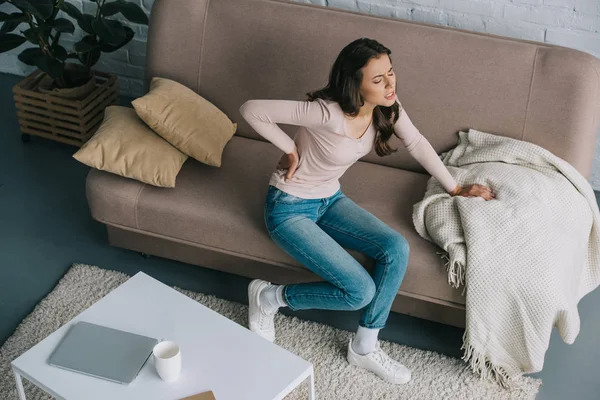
<point x="223" y="209"/>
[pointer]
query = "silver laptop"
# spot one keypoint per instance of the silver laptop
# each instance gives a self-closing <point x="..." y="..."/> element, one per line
<point x="102" y="352"/>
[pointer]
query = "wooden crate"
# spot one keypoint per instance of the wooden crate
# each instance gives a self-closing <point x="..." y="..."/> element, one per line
<point x="69" y="121"/>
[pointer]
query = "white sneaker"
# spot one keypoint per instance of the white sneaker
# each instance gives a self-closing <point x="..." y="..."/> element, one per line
<point x="259" y="320"/>
<point x="381" y="364"/>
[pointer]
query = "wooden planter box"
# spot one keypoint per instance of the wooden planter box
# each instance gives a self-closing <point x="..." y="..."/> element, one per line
<point x="64" y="120"/>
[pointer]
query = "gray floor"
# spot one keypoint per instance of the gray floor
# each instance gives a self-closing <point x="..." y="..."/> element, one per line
<point x="45" y="226"/>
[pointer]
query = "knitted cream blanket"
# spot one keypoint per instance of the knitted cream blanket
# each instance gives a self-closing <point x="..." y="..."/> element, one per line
<point x="526" y="258"/>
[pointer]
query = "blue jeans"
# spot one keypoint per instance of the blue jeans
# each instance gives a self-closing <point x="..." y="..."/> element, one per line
<point x="315" y="231"/>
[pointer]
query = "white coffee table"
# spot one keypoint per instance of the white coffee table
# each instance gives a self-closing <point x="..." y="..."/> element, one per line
<point x="217" y="353"/>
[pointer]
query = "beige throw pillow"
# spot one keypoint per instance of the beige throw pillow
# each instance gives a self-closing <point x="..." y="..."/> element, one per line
<point x="186" y="120"/>
<point x="126" y="146"/>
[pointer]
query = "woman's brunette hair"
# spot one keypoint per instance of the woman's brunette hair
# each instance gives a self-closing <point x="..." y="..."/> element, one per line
<point x="344" y="83"/>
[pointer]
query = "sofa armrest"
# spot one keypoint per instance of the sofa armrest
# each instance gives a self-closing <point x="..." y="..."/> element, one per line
<point x="563" y="109"/>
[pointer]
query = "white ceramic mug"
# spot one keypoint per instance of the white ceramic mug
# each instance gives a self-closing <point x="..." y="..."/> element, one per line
<point x="167" y="360"/>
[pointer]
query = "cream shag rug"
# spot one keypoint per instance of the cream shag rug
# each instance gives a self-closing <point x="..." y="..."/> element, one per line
<point x="434" y="376"/>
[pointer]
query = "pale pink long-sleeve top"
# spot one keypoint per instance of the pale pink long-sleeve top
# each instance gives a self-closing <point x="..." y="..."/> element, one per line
<point x="326" y="150"/>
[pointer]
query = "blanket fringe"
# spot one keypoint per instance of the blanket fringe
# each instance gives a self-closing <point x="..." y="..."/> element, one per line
<point x="456" y="271"/>
<point x="479" y="362"/>
<point x="481" y="365"/>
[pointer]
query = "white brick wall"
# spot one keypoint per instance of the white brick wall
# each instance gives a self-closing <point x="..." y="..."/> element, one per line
<point x="569" y="23"/>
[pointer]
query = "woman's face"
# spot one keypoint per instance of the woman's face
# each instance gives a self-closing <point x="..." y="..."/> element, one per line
<point x="378" y="80"/>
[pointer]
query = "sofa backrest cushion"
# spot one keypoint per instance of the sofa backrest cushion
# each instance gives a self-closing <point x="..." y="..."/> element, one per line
<point x="448" y="80"/>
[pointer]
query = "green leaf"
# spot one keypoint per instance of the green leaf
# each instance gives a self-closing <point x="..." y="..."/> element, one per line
<point x="9" y="41"/>
<point x="71" y="10"/>
<point x="111" y="9"/>
<point x="110" y="48"/>
<point x="110" y="32"/>
<point x="87" y="43"/>
<point x="31" y="35"/>
<point x="60" y="52"/>
<point x="94" y="56"/>
<point x="31" y="56"/>
<point x="11" y="21"/>
<point x="45" y="30"/>
<point x="52" y="67"/>
<point x="9" y="26"/>
<point x="42" y="9"/>
<point x="90" y="58"/>
<point x="131" y="11"/>
<point x="16" y="16"/>
<point x="63" y="25"/>
<point x="85" y="23"/>
<point x="26" y="7"/>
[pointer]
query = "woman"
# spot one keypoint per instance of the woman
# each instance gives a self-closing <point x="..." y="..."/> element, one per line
<point x="310" y="218"/>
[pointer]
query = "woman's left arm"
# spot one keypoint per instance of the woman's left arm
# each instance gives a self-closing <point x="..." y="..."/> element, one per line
<point x="420" y="148"/>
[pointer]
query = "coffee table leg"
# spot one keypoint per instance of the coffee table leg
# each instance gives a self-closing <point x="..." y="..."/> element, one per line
<point x="19" y="385"/>
<point x="311" y="390"/>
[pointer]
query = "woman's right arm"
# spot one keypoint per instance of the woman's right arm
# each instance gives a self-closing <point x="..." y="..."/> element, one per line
<point x="264" y="115"/>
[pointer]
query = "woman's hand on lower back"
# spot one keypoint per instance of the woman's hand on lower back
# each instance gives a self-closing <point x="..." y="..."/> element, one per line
<point x="289" y="162"/>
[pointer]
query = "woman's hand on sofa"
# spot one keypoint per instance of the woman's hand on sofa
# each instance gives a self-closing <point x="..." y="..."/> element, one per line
<point x="289" y="162"/>
<point x="476" y="191"/>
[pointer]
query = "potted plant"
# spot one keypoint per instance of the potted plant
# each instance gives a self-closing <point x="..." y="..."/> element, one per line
<point x="56" y="75"/>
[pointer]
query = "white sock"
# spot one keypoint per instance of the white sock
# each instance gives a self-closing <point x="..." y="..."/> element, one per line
<point x="365" y="340"/>
<point x="271" y="298"/>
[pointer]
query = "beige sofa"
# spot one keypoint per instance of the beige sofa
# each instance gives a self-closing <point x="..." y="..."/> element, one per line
<point x="230" y="51"/>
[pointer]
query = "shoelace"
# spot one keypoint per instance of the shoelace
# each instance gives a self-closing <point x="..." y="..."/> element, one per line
<point x="385" y="361"/>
